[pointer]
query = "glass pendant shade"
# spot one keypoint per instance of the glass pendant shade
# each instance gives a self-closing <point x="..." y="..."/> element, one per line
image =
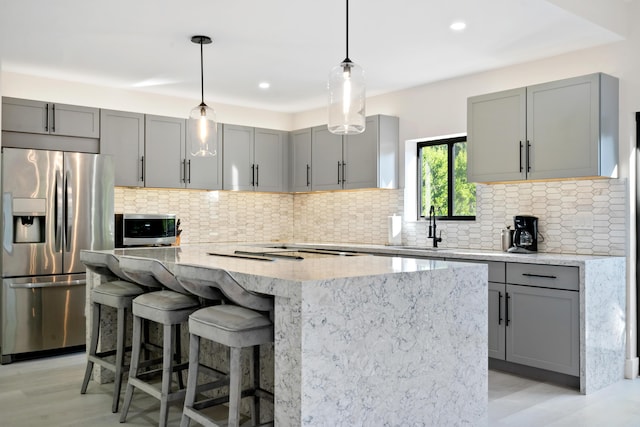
<point x="346" y="99"/>
<point x="202" y="131"/>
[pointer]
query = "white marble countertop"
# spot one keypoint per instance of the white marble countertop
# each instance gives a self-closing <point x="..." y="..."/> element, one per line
<point x="312" y="268"/>
<point x="444" y="252"/>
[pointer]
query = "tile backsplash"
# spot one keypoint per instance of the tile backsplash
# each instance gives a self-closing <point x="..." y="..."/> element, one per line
<point x="583" y="217"/>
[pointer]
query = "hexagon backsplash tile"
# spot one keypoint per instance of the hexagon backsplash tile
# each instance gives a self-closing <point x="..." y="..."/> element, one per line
<point x="583" y="217"/>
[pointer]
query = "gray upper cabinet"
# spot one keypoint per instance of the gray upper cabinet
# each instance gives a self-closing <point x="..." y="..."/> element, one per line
<point x="122" y="136"/>
<point x="164" y="148"/>
<point x="254" y="159"/>
<point x="562" y="129"/>
<point x="371" y="158"/>
<point x="496" y="132"/>
<point x="21" y="115"/>
<point x="326" y="159"/>
<point x="168" y="162"/>
<point x="301" y="160"/>
<point x="367" y="160"/>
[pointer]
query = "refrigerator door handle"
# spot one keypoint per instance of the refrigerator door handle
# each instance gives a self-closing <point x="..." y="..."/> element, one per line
<point x="58" y="212"/>
<point x="68" y="208"/>
<point x="48" y="284"/>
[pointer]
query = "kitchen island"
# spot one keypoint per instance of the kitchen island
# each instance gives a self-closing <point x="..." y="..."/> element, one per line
<point x="363" y="340"/>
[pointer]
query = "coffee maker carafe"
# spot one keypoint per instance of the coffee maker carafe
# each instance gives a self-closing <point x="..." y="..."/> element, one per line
<point x="525" y="235"/>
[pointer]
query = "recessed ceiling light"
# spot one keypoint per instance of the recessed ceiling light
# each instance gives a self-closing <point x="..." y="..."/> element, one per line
<point x="458" y="26"/>
<point x="264" y="85"/>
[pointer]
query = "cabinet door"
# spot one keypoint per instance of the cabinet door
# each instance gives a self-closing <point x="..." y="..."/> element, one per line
<point x="237" y="142"/>
<point x="497" y="337"/>
<point x="543" y="328"/>
<point x="301" y="160"/>
<point x="122" y="136"/>
<point x="563" y="128"/>
<point x="268" y="154"/>
<point x="22" y="115"/>
<point x="72" y="120"/>
<point x="326" y="159"/>
<point x="164" y="148"/>
<point x="496" y="136"/>
<point x="361" y="157"/>
<point x="205" y="173"/>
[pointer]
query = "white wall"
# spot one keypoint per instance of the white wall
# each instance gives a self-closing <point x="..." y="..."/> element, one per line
<point x="38" y="88"/>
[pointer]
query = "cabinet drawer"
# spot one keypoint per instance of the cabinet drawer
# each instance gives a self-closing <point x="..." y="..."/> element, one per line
<point x="544" y="276"/>
<point x="496" y="268"/>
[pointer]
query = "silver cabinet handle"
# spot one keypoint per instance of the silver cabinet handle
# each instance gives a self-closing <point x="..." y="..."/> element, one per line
<point x="338" y="172"/>
<point x="183" y="177"/>
<point x="81" y="282"/>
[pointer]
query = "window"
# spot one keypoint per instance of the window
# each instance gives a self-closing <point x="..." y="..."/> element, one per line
<point x="442" y="180"/>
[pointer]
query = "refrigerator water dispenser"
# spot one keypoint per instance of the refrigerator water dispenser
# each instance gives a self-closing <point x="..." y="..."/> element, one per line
<point x="29" y="220"/>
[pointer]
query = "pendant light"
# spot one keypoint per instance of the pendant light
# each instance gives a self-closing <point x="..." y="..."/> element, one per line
<point x="346" y="95"/>
<point x="202" y="128"/>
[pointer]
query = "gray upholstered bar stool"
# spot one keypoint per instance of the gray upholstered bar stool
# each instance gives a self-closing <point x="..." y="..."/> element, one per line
<point x="169" y="307"/>
<point x="247" y="324"/>
<point x="116" y="293"/>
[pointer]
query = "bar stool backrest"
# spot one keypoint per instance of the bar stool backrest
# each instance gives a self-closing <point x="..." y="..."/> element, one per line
<point x="149" y="272"/>
<point x="204" y="282"/>
<point x="105" y="265"/>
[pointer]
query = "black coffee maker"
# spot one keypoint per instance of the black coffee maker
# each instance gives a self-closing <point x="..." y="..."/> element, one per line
<point x="525" y="234"/>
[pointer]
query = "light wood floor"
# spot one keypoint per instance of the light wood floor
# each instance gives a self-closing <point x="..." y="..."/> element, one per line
<point x="46" y="392"/>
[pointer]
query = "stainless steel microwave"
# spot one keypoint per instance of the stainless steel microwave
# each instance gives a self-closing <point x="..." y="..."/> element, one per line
<point x="144" y="230"/>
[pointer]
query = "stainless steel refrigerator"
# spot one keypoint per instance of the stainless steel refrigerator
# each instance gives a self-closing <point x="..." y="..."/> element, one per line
<point x="54" y="204"/>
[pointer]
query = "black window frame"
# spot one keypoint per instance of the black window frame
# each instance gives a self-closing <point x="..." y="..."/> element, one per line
<point x="450" y="142"/>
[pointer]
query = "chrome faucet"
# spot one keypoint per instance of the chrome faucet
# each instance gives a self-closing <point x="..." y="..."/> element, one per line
<point x="433" y="227"/>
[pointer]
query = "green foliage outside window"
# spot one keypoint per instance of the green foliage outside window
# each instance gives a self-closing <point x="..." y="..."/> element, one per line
<point x="434" y="182"/>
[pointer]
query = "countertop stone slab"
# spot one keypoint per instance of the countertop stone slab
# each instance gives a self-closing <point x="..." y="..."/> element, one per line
<point x="602" y="300"/>
<point x="366" y="340"/>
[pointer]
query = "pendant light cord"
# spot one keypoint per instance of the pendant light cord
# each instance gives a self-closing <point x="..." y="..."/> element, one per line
<point x="201" y="73"/>
<point x="347" y="38"/>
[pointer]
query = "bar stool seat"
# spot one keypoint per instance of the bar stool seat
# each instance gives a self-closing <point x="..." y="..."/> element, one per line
<point x="117" y="294"/>
<point x="169" y="307"/>
<point x="236" y="326"/>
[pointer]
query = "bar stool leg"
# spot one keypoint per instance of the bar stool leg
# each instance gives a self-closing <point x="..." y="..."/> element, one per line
<point x="192" y="379"/>
<point x="177" y="355"/>
<point x="133" y="370"/>
<point x="255" y="381"/>
<point x="235" y="384"/>
<point x="93" y="346"/>
<point x="167" y="367"/>
<point x="122" y="312"/>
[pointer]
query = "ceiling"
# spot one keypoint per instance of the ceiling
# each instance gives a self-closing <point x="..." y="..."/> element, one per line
<point x="293" y="44"/>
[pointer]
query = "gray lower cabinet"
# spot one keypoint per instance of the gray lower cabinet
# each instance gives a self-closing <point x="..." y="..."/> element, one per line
<point x="543" y="328"/>
<point x="254" y="159"/>
<point x="122" y="136"/>
<point x="28" y="116"/>
<point x="534" y="317"/>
